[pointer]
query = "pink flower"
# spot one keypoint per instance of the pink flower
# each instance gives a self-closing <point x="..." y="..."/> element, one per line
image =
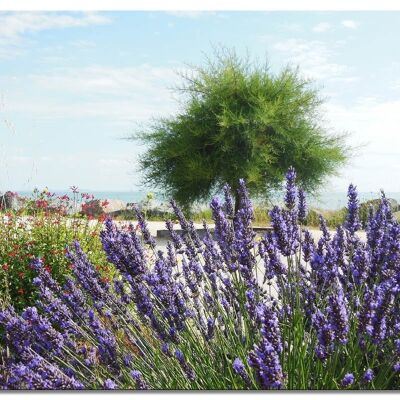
<point x="41" y="203"/>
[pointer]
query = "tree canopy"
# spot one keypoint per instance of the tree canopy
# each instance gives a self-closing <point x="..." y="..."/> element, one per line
<point x="240" y="120"/>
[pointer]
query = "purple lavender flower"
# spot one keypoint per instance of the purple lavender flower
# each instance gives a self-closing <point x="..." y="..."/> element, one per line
<point x="338" y="316"/>
<point x="34" y="372"/>
<point x="87" y="275"/>
<point x="302" y="206"/>
<point x="107" y="344"/>
<point x="308" y="246"/>
<point x="46" y="337"/>
<point x="239" y="368"/>
<point x="244" y="236"/>
<point x="187" y="369"/>
<point x="251" y="302"/>
<point x="265" y="361"/>
<point x="285" y="230"/>
<point x="127" y="358"/>
<point x="272" y="263"/>
<point x="228" y="201"/>
<point x="369" y="375"/>
<point x="270" y="326"/>
<point x="124" y="251"/>
<point x="182" y="219"/>
<point x="383" y="300"/>
<point x="291" y="189"/>
<point x="352" y="221"/>
<point x="109" y="384"/>
<point x="325" y="335"/>
<point x="348" y="380"/>
<point x="165" y="349"/>
<point x="139" y="381"/>
<point x="210" y="328"/>
<point x="326" y="237"/>
<point x="176" y="238"/>
<point x="148" y="239"/>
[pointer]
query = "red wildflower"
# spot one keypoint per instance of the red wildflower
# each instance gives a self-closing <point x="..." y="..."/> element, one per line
<point x="105" y="203"/>
<point x="42" y="203"/>
<point x="47" y="268"/>
<point x="21" y="274"/>
<point x="21" y="291"/>
<point x="6" y="267"/>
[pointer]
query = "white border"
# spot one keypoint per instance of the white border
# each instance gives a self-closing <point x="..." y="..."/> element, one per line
<point x="204" y="5"/>
<point x="167" y="395"/>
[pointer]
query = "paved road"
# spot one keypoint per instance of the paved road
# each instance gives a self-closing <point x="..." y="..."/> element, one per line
<point x="154" y="226"/>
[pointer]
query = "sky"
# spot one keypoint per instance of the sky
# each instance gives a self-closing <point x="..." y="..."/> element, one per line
<point x="73" y="85"/>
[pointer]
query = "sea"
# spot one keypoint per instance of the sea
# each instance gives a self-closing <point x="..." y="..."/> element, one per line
<point x="323" y="201"/>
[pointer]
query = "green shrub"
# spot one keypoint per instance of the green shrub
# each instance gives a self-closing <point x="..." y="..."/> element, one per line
<point x="44" y="235"/>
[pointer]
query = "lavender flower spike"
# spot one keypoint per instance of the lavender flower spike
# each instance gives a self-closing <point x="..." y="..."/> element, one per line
<point x="239" y="368"/>
<point x="348" y="380"/>
<point x="369" y="375"/>
<point x="109" y="384"/>
<point x="302" y="206"/>
<point x="352" y="221"/>
<point x="291" y="190"/>
<point x="185" y="366"/>
<point x="140" y="383"/>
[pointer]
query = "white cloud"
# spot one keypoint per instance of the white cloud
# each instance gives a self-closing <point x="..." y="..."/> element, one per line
<point x="120" y="95"/>
<point x="107" y="80"/>
<point x="322" y="27"/>
<point x="313" y="57"/>
<point x="14" y="25"/>
<point x="348" y="23"/>
<point x="19" y="23"/>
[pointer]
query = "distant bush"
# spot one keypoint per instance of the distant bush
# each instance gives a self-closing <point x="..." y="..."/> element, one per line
<point x="333" y="217"/>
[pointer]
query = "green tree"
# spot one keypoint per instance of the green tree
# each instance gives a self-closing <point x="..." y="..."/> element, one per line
<point x="239" y="120"/>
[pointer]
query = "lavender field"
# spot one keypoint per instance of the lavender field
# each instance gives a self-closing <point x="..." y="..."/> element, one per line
<point x="228" y="311"/>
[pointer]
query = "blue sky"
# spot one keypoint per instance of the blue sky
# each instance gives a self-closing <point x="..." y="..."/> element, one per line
<point x="73" y="84"/>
